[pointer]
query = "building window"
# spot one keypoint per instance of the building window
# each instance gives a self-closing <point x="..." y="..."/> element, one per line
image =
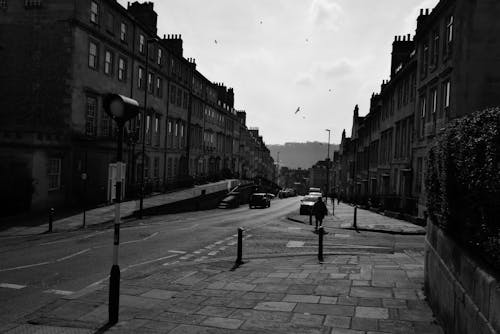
<point x="123" y="32"/>
<point x="108" y="62"/>
<point x="179" y="97"/>
<point x="110" y="23"/>
<point x="150" y="83"/>
<point x="94" y="12"/>
<point x="140" y="78"/>
<point x="3" y="4"/>
<point x="449" y="35"/>
<point x="156" y="167"/>
<point x="157" y="130"/>
<point x="91" y="116"/>
<point x="148" y="129"/>
<point x="435" y="49"/>
<point x="159" y="87"/>
<point x="105" y="125"/>
<point x="54" y="174"/>
<point x="141" y="43"/>
<point x="122" y="69"/>
<point x="159" y="58"/>
<point x="425" y="58"/>
<point x="172" y="94"/>
<point x="446" y="97"/>
<point x="434" y="103"/>
<point x="423" y="106"/>
<point x="93" y="55"/>
<point x="185" y="101"/>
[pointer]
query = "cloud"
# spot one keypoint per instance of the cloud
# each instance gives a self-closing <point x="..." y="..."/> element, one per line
<point x="340" y="68"/>
<point x="304" y="79"/>
<point x="326" y="14"/>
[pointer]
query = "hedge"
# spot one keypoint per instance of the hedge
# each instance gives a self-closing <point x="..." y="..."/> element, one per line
<point x="463" y="183"/>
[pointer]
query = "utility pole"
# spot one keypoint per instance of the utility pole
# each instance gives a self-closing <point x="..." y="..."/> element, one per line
<point x="278" y="167"/>
<point x="328" y="166"/>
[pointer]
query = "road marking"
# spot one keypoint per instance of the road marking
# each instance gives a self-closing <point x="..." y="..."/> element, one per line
<point x="213" y="253"/>
<point x="71" y="239"/>
<point x="185" y="257"/>
<point x="201" y="259"/>
<point x="222" y="248"/>
<point x="232" y="243"/>
<point x="59" y="292"/>
<point x="139" y="240"/>
<point x="295" y="244"/>
<point x="73" y="255"/>
<point x="176" y="252"/>
<point x="218" y="242"/>
<point x="26" y="266"/>
<point x="197" y="252"/>
<point x="12" y="286"/>
<point x="191" y="273"/>
<point x="151" y="261"/>
<point x="228" y="238"/>
<point x="170" y="263"/>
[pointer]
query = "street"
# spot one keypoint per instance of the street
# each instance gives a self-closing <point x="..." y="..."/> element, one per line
<point x="50" y="265"/>
<point x="38" y="270"/>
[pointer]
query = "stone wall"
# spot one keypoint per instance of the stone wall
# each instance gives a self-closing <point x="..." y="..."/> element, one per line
<point x="464" y="297"/>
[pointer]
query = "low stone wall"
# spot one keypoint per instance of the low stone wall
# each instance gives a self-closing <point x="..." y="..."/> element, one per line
<point x="464" y="297"/>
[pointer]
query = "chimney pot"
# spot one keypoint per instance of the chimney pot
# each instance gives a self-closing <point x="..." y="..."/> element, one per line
<point x="427" y="11"/>
<point x="409" y="37"/>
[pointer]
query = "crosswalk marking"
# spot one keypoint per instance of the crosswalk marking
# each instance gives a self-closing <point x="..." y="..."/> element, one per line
<point x="59" y="292"/>
<point x="12" y="286"/>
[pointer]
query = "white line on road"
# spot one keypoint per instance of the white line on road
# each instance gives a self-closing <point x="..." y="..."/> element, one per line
<point x="59" y="292"/>
<point x="222" y="248"/>
<point x="139" y="240"/>
<point x="73" y="255"/>
<point x="219" y="242"/>
<point x="232" y="243"/>
<point x="12" y="286"/>
<point x="213" y="253"/>
<point x="176" y="252"/>
<point x="151" y="261"/>
<point x="26" y="266"/>
<point x="170" y="263"/>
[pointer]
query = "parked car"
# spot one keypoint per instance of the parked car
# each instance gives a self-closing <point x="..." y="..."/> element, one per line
<point x="319" y="194"/>
<point x="307" y="203"/>
<point x="231" y="201"/>
<point x="314" y="190"/>
<point x="262" y="200"/>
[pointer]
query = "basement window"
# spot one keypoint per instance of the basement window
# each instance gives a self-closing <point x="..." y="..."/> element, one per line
<point x="32" y="3"/>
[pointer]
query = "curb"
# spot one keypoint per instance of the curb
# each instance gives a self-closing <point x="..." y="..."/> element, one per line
<point x="383" y="231"/>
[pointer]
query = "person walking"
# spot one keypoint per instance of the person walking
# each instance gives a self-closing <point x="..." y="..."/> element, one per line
<point x="319" y="211"/>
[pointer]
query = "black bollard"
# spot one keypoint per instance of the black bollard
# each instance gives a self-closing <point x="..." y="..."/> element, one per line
<point x="310" y="217"/>
<point x="239" y="258"/>
<point x="355" y="221"/>
<point x="333" y="207"/>
<point x="321" y="232"/>
<point x="51" y="218"/>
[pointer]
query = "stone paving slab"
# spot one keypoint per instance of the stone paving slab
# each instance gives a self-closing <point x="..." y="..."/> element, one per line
<point x="225" y="301"/>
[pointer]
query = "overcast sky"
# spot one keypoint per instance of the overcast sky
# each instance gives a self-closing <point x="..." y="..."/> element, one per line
<point x="324" y="56"/>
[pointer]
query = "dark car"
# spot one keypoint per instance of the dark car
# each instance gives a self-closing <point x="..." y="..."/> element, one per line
<point x="231" y="201"/>
<point x="259" y="200"/>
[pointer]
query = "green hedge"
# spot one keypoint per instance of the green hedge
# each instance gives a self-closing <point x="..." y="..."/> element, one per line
<point x="463" y="183"/>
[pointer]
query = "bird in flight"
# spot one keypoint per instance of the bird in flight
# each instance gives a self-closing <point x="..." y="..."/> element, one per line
<point x="298" y="109"/>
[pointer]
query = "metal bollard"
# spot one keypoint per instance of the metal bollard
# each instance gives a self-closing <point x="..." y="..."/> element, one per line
<point x="321" y="232"/>
<point x="355" y="221"/>
<point x="310" y="217"/>
<point x="333" y="207"/>
<point x="239" y="258"/>
<point x="51" y="218"/>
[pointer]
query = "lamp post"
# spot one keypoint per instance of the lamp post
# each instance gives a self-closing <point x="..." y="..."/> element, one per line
<point x="146" y="88"/>
<point x="328" y="166"/>
<point x="120" y="109"/>
<point x="278" y="167"/>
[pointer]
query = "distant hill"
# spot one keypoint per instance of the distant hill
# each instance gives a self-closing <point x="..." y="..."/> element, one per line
<point x="303" y="155"/>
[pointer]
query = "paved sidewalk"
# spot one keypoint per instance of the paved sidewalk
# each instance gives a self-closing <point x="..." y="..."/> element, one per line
<point x="106" y="213"/>
<point x="366" y="220"/>
<point x="347" y="294"/>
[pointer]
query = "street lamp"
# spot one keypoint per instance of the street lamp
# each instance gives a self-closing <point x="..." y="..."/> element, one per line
<point x="146" y="87"/>
<point x="120" y="109"/>
<point x="328" y="166"/>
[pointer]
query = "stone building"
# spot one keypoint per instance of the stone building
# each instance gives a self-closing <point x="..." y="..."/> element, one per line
<point x="59" y="58"/>
<point x="450" y="67"/>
